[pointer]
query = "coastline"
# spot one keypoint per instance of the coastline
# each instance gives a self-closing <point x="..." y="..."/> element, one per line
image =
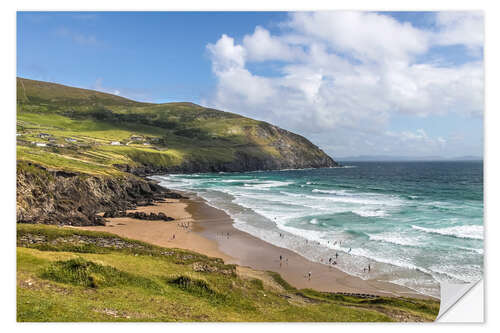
<point x="202" y="228"/>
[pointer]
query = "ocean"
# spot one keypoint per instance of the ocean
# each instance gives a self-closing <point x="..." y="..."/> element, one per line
<point x="415" y="223"/>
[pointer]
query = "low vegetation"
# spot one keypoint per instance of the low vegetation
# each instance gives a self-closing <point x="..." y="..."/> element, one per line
<point x="66" y="274"/>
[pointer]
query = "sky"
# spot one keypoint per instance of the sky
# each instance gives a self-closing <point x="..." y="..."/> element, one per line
<point x="354" y="83"/>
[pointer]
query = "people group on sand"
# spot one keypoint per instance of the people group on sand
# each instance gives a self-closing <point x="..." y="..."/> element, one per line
<point x="184" y="225"/>
<point x="283" y="259"/>
<point x="224" y="234"/>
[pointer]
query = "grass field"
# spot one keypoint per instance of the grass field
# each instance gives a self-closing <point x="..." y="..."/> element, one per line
<point x="66" y="274"/>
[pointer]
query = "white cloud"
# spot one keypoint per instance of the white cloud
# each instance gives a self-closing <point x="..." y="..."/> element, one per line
<point x="417" y="141"/>
<point x="261" y="46"/>
<point x="342" y="72"/>
<point x="460" y="28"/>
<point x="367" y="36"/>
<point x="226" y="56"/>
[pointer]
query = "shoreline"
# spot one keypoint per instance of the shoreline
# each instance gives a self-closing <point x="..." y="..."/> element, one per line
<point x="201" y="228"/>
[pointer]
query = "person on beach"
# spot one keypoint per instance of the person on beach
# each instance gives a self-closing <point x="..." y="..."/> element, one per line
<point x="281" y="257"/>
<point x="369" y="268"/>
<point x="349" y="250"/>
<point x="330" y="260"/>
<point x="336" y="255"/>
<point x="309" y="276"/>
<point x="173" y="237"/>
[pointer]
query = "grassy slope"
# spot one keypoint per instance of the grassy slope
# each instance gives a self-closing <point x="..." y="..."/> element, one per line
<point x="187" y="132"/>
<point x="62" y="279"/>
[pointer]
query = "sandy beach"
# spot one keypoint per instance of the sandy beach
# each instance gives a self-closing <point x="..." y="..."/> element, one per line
<point x="204" y="229"/>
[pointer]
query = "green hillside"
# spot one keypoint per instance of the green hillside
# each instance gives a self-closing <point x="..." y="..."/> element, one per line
<point x="73" y="129"/>
<point x="73" y="275"/>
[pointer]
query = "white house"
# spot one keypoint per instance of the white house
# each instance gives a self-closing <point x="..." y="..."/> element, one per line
<point x="41" y="144"/>
<point x="115" y="143"/>
<point x="70" y="140"/>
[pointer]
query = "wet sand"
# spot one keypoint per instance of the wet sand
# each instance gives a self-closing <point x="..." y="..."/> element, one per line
<point x="207" y="234"/>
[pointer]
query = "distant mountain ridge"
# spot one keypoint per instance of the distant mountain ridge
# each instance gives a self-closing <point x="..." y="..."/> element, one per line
<point x="387" y="158"/>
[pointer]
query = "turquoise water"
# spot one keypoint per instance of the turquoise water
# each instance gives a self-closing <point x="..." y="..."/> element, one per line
<point x="415" y="223"/>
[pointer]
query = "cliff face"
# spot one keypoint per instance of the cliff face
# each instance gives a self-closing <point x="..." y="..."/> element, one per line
<point x="293" y="152"/>
<point x="55" y="197"/>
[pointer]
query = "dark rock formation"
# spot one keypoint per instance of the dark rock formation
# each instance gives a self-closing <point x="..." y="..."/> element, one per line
<point x="138" y="215"/>
<point x="55" y="197"/>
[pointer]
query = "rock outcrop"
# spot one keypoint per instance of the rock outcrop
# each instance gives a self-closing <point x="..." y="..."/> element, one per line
<point x="138" y="215"/>
<point x="55" y="197"/>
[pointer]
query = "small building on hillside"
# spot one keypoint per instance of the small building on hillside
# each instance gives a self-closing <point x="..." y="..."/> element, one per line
<point x="70" y="140"/>
<point x="115" y="143"/>
<point x="40" y="144"/>
<point x="136" y="138"/>
<point x="44" y="135"/>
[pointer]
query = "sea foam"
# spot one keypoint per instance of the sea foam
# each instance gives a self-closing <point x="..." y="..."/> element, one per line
<point x="463" y="231"/>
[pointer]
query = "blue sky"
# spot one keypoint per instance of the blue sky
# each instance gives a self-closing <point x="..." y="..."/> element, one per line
<point x="355" y="83"/>
<point x="153" y="56"/>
